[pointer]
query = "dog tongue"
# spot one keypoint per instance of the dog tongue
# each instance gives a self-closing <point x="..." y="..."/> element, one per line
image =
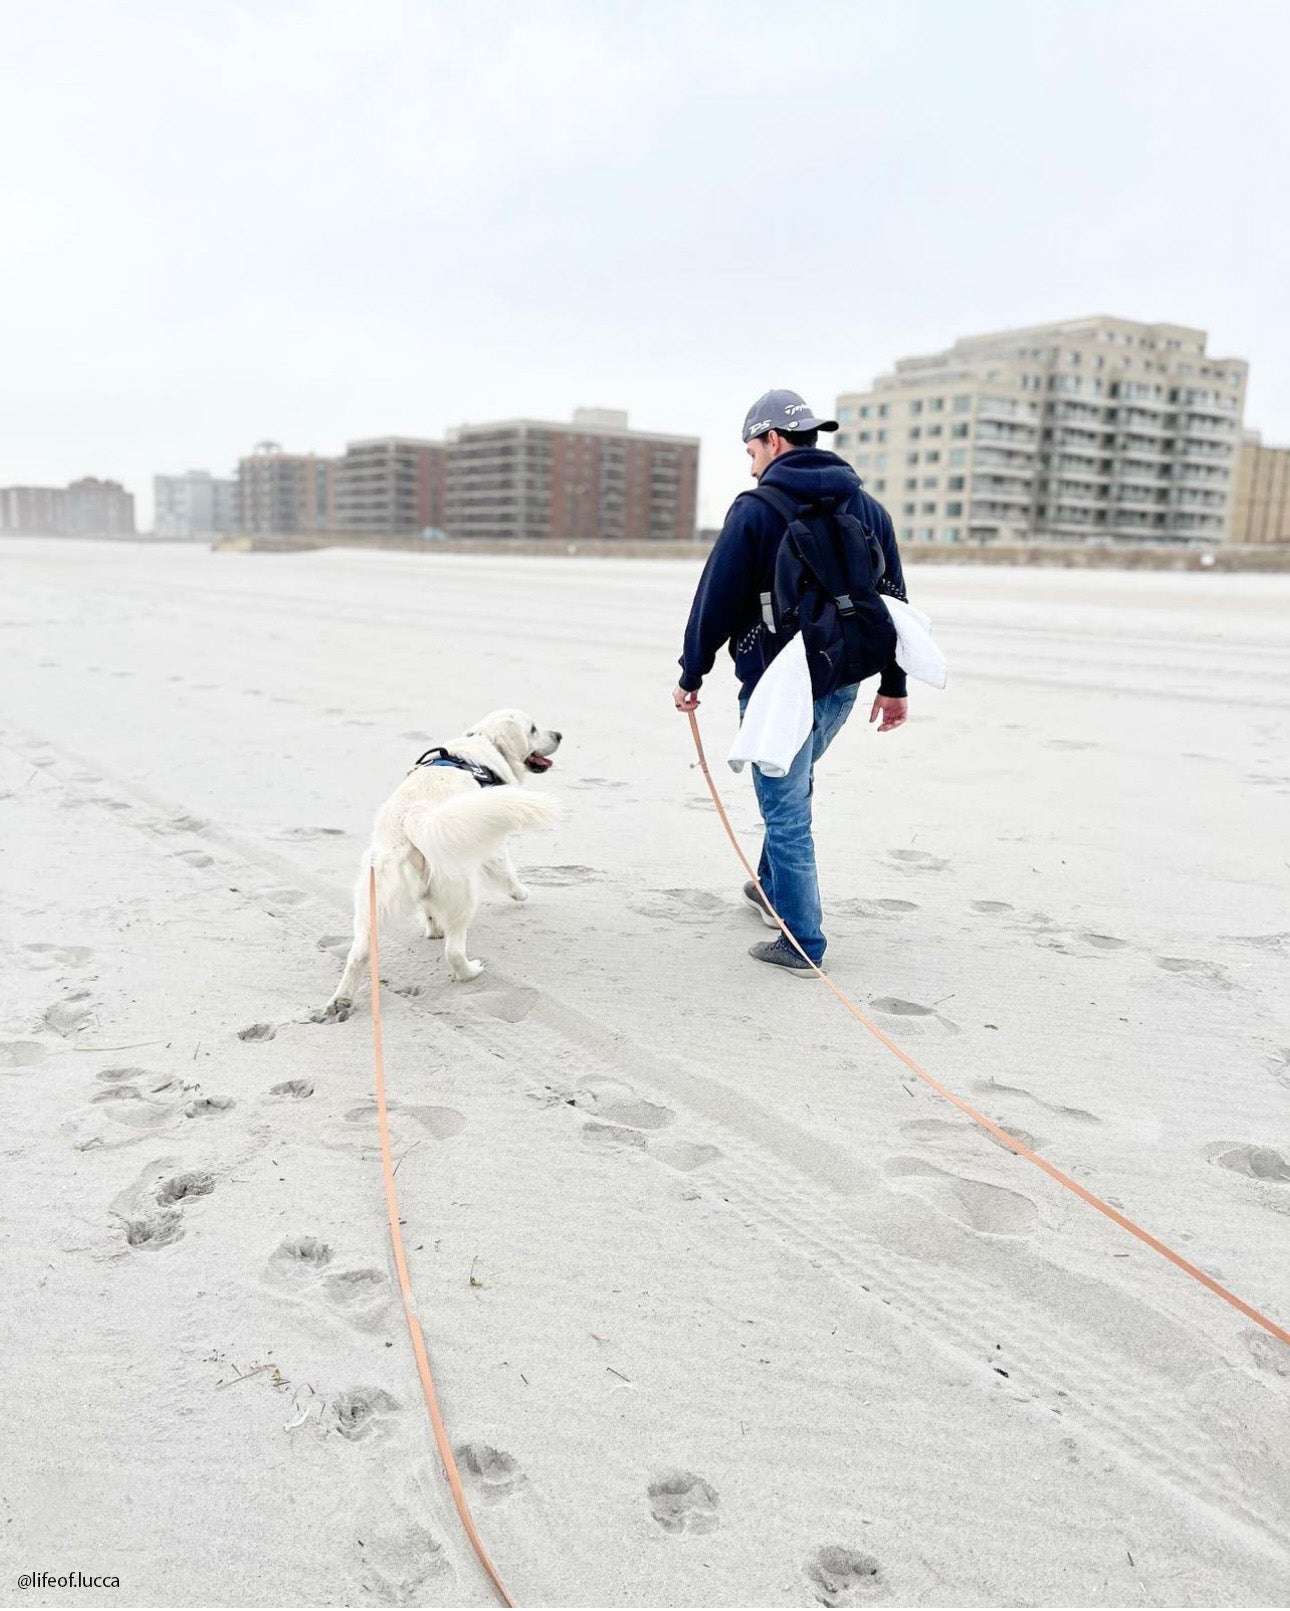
<point x="539" y="763"/>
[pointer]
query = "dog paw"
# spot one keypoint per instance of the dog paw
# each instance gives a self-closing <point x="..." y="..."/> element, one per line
<point x="335" y="1012"/>
<point x="519" y="893"/>
<point x="464" y="972"/>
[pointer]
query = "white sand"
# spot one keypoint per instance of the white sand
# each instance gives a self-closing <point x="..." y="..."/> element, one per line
<point x="713" y="1228"/>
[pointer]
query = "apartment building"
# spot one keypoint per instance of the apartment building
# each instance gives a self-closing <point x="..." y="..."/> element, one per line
<point x="85" y="508"/>
<point x="196" y="504"/>
<point x="33" y="511"/>
<point x="1098" y="428"/>
<point x="1262" y="513"/>
<point x="391" y="484"/>
<point x="591" y="480"/>
<point x="284" y="492"/>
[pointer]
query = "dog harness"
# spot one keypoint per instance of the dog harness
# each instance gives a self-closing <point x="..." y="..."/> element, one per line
<point x="483" y="775"/>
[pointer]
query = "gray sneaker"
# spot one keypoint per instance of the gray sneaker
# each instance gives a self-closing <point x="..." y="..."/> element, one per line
<point x="753" y="896"/>
<point x="781" y="954"/>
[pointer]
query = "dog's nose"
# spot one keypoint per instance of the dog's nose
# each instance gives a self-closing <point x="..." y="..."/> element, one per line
<point x="556" y="736"/>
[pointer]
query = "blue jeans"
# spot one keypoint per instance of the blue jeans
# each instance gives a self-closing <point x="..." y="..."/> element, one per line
<point x="787" y="866"/>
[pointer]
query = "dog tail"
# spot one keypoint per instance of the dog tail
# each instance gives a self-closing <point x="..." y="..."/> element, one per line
<point x="469" y="828"/>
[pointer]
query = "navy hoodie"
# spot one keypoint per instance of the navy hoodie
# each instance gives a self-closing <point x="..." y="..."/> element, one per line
<point x="741" y="567"/>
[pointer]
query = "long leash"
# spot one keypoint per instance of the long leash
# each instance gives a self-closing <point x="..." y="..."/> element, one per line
<point x="401" y="1264"/>
<point x="988" y="1125"/>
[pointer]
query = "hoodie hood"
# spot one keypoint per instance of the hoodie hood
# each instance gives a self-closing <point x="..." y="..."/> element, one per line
<point x="811" y="473"/>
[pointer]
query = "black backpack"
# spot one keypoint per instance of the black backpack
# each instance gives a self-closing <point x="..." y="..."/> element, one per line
<point x="827" y="571"/>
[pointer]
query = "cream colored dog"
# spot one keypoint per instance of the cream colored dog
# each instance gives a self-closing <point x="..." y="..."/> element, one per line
<point x="441" y="828"/>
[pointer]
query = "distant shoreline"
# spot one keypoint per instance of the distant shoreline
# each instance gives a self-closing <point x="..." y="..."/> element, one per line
<point x="1273" y="557"/>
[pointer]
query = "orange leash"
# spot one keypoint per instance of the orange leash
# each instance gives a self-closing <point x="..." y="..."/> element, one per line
<point x="964" y="1107"/>
<point x="401" y="1264"/>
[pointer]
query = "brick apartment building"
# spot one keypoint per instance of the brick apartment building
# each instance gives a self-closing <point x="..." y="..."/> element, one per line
<point x="284" y="492"/>
<point x="86" y="508"/>
<point x="1262" y="513"/>
<point x="391" y="484"/>
<point x="592" y="480"/>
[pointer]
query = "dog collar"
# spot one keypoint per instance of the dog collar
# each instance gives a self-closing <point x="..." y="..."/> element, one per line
<point x="483" y="775"/>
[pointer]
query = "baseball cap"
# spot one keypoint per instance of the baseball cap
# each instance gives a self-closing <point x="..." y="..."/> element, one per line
<point x="782" y="410"/>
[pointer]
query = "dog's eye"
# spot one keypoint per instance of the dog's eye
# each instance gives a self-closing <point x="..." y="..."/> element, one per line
<point x="532" y="727"/>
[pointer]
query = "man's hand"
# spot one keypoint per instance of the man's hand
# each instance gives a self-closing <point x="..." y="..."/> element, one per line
<point x="685" y="699"/>
<point x="894" y="712"/>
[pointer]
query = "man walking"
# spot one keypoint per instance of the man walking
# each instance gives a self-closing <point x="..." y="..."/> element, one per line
<point x="781" y="433"/>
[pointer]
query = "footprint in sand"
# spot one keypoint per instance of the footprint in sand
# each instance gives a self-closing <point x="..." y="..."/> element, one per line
<point x="295" y="1090"/>
<point x="306" y="833"/>
<point x="992" y="906"/>
<point x="919" y="861"/>
<point x="620" y="1105"/>
<point x="684" y="1156"/>
<point x="185" y="823"/>
<point x="884" y="909"/>
<point x="195" y="858"/>
<point x="20" y="1054"/>
<point x="154" y="1230"/>
<point x="1270" y="1353"/>
<point x="678" y="905"/>
<point x="208" y="1107"/>
<point x="491" y="1473"/>
<point x="612" y="1136"/>
<point x="195" y="1184"/>
<point x="363" y="1296"/>
<point x="398" y="1562"/>
<point x="297" y="1262"/>
<point x="571" y="873"/>
<point x="258" y="1032"/>
<point x="989" y="1210"/>
<point x="43" y="956"/>
<point x="441" y="1123"/>
<point x="510" y="1005"/>
<point x="913" y="1011"/>
<point x="338" y="944"/>
<point x="69" y="1016"/>
<point x="901" y="1009"/>
<point x="1197" y="971"/>
<point x="359" y="1413"/>
<point x="1104" y="942"/>
<point x="839" y="1576"/>
<point x="680" y="1502"/>
<point x="1071" y="744"/>
<point x="1259" y="1163"/>
<point x="996" y="1086"/>
<point x="951" y="1131"/>
<point x="596" y="783"/>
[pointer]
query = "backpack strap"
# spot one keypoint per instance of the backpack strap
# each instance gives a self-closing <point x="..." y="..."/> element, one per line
<point x="787" y="508"/>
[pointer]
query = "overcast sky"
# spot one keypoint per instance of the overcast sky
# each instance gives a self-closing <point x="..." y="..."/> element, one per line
<point x="313" y="220"/>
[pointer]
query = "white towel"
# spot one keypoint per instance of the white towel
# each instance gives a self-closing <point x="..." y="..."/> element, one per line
<point x="779" y="717"/>
<point x="916" y="653"/>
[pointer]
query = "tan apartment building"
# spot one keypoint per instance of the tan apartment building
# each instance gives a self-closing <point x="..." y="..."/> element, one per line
<point x="391" y="484"/>
<point x="1097" y="428"/>
<point x="592" y="480"/>
<point x="284" y="492"/>
<point x="1262" y="513"/>
<point x="85" y="508"/>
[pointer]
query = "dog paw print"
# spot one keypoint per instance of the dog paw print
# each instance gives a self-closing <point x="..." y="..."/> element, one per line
<point x="680" y="1502"/>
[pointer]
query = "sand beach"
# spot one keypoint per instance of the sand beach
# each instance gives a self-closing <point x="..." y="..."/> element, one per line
<point x="725" y="1308"/>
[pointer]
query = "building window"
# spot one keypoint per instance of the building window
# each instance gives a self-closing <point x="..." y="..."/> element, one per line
<point x="953" y="508"/>
<point x="845" y="415"/>
<point x="882" y="435"/>
<point x="882" y="411"/>
<point x="916" y="407"/>
<point x="908" y="509"/>
<point x="880" y="486"/>
<point x="865" y="436"/>
<point x="911" y="483"/>
<point x="925" y="534"/>
<point x="911" y="458"/>
<point x="932" y="458"/>
<point x="930" y="508"/>
<point x="963" y="404"/>
<point x="866" y="410"/>
<point x="960" y="430"/>
<point x="936" y="404"/>
<point x="906" y="534"/>
<point x="933" y="430"/>
<point x="951" y="532"/>
<point x="931" y="481"/>
<point x="958" y="456"/>
<point x="955" y="483"/>
<point x="914" y="433"/>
